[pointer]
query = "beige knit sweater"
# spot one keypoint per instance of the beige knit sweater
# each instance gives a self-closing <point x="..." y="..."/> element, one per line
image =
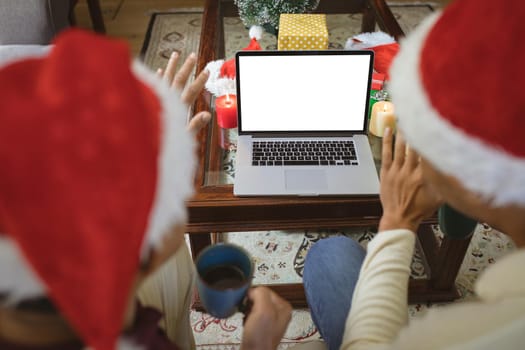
<point x="379" y="319"/>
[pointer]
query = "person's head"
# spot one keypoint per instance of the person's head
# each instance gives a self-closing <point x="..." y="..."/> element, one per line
<point x="96" y="163"/>
<point x="456" y="87"/>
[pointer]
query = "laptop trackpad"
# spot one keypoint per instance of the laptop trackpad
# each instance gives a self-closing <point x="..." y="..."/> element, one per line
<point x="310" y="180"/>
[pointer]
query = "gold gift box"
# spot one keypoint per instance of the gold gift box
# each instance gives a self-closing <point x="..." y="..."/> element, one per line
<point x="302" y="32"/>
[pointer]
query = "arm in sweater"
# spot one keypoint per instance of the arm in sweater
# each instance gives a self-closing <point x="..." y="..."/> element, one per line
<point x="379" y="304"/>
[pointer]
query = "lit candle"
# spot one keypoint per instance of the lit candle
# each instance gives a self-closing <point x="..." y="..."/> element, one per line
<point x="226" y="111"/>
<point x="382" y="117"/>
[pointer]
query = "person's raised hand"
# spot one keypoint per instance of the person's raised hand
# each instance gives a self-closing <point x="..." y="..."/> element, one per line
<point x="189" y="93"/>
<point x="405" y="197"/>
<point x="267" y="320"/>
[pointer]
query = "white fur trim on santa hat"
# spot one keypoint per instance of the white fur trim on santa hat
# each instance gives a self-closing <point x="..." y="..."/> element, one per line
<point x="216" y="85"/>
<point x="176" y="161"/>
<point x="256" y="32"/>
<point x="18" y="279"/>
<point x="367" y="40"/>
<point x="492" y="173"/>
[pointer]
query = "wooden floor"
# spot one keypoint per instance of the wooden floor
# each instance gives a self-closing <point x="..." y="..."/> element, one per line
<point x="128" y="19"/>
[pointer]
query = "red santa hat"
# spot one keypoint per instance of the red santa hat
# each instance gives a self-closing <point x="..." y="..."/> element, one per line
<point x="222" y="73"/>
<point x="384" y="46"/>
<point x="95" y="165"/>
<point x="454" y="87"/>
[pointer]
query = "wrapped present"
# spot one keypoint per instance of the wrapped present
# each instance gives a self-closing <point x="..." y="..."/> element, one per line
<point x="302" y="32"/>
<point x="378" y="80"/>
<point x="377" y="93"/>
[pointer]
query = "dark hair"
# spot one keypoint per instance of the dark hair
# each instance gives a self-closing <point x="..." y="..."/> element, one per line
<point x="38" y="304"/>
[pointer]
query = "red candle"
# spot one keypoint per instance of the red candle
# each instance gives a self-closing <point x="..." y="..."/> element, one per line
<point x="226" y="111"/>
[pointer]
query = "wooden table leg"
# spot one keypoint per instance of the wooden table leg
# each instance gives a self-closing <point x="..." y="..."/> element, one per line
<point x="449" y="259"/>
<point x="369" y="20"/>
<point x="96" y="16"/>
<point x="444" y="261"/>
<point x="199" y="241"/>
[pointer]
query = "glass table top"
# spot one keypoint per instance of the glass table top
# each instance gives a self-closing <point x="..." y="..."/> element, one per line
<point x="220" y="162"/>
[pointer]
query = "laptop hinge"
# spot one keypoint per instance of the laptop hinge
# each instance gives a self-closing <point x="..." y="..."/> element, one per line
<point x="308" y="135"/>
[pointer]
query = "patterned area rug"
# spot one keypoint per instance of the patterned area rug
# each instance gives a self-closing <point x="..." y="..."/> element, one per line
<point x="279" y="255"/>
<point x="279" y="258"/>
<point x="179" y="31"/>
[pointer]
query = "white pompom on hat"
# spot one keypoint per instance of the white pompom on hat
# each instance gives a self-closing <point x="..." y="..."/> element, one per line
<point x="456" y="87"/>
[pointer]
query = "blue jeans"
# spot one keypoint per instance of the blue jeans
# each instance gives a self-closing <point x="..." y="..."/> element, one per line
<point x="330" y="274"/>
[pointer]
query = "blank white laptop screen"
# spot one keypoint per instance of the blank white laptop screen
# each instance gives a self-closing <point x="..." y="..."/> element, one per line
<point x="303" y="92"/>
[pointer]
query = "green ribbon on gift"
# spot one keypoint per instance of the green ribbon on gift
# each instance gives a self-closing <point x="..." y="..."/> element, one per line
<point x="375" y="96"/>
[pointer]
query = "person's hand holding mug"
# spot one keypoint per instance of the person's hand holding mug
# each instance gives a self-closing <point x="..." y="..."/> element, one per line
<point x="267" y="320"/>
<point x="224" y="275"/>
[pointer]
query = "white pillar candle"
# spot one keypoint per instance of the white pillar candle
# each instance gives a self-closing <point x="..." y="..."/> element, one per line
<point x="382" y="116"/>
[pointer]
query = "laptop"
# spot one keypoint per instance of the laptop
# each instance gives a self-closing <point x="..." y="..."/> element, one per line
<point x="302" y="118"/>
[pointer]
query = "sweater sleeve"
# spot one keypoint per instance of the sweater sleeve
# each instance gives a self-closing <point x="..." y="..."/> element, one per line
<point x="379" y="304"/>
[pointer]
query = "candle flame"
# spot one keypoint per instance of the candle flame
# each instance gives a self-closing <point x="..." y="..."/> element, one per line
<point x="385" y="108"/>
<point x="228" y="98"/>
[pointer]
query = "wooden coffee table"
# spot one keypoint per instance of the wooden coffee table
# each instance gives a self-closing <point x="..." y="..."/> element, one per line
<point x="214" y="208"/>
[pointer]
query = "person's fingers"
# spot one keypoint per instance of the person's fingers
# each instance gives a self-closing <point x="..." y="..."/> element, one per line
<point x="263" y="297"/>
<point x="284" y="309"/>
<point x="199" y="121"/>
<point x="270" y="314"/>
<point x="169" y="71"/>
<point x="278" y="301"/>
<point x="191" y="92"/>
<point x="412" y="158"/>
<point x="180" y="79"/>
<point x="259" y="295"/>
<point x="160" y="72"/>
<point x="261" y="302"/>
<point x="399" y="150"/>
<point x="386" y="152"/>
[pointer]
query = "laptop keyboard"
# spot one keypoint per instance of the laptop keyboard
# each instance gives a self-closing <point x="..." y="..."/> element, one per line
<point x="271" y="153"/>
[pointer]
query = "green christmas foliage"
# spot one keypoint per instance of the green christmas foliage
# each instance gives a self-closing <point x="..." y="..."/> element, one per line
<point x="267" y="12"/>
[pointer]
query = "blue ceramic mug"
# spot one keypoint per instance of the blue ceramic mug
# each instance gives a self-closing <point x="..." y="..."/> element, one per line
<point x="225" y="273"/>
